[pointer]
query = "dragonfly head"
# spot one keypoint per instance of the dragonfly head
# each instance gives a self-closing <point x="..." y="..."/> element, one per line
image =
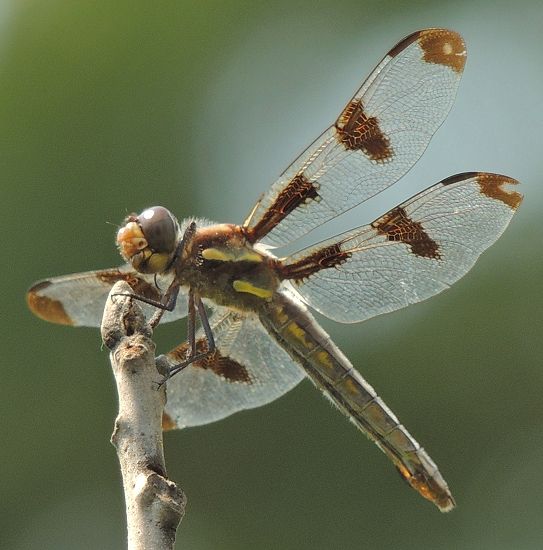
<point x="148" y="240"/>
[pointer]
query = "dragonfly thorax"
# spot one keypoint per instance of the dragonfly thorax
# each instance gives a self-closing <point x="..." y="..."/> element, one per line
<point x="220" y="264"/>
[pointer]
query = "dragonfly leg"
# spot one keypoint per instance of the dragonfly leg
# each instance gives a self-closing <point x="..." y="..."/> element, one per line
<point x="166" y="304"/>
<point x="196" y="306"/>
<point x="191" y="326"/>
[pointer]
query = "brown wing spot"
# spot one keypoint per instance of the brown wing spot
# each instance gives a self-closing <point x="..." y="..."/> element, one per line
<point x="227" y="368"/>
<point x="443" y="47"/>
<point x="221" y="365"/>
<point x="358" y="131"/>
<point x="139" y="285"/>
<point x="298" y="191"/>
<point x="491" y="186"/>
<point x="398" y="227"/>
<point x="46" y="308"/>
<point x="111" y="276"/>
<point x="168" y="423"/>
<point x="325" y="258"/>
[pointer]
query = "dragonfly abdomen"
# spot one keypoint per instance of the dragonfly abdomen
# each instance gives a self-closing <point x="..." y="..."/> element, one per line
<point x="328" y="368"/>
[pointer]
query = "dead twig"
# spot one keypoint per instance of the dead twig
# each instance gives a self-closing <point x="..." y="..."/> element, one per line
<point x="154" y="504"/>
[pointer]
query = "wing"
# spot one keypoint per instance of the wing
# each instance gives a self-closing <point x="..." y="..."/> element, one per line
<point x="79" y="299"/>
<point x="249" y="369"/>
<point x="414" y="251"/>
<point x="377" y="138"/>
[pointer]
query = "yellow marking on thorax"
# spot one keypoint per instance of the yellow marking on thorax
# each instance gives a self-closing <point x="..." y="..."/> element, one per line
<point x="223" y="255"/>
<point x="245" y="286"/>
<point x="216" y="254"/>
<point x="248" y="256"/>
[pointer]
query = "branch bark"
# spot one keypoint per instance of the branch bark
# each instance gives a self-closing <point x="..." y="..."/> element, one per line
<point x="154" y="504"/>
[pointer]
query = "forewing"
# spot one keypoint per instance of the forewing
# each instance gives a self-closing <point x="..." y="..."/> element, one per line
<point x="414" y="251"/>
<point x="377" y="138"/>
<point x="79" y="299"/>
<point x="249" y="369"/>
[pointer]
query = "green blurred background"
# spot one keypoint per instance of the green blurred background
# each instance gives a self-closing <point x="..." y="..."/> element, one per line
<point x="108" y="107"/>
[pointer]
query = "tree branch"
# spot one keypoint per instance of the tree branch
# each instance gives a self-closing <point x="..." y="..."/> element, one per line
<point x="154" y="504"/>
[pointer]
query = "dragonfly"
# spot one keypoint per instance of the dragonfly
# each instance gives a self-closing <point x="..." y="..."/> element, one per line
<point x="251" y="334"/>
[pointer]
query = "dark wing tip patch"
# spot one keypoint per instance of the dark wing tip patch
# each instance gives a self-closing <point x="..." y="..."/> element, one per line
<point x="444" y="47"/>
<point x="440" y="46"/>
<point x="491" y="185"/>
<point x="397" y="226"/>
<point x="45" y="307"/>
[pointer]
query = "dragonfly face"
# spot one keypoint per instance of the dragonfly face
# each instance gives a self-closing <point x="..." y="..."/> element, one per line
<point x="257" y="338"/>
<point x="149" y="241"/>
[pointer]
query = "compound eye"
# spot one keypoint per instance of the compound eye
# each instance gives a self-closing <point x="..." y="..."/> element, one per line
<point x="159" y="229"/>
